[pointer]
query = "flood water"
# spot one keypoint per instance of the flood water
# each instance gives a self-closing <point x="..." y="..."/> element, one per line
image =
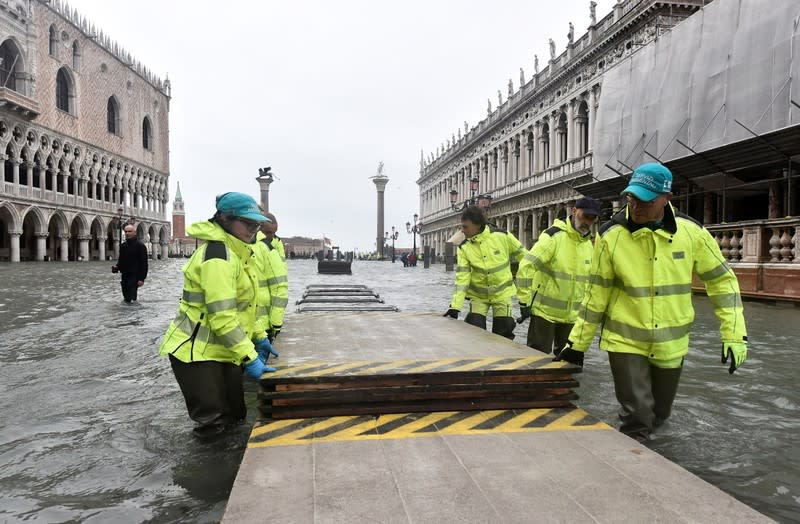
<point x="93" y="427"/>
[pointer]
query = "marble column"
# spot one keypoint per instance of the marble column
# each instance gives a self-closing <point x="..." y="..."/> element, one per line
<point x="380" y="186"/>
<point x="570" y="131"/>
<point x="15" y="234"/>
<point x="521" y="232"/>
<point x="41" y="246"/>
<point x="101" y="248"/>
<point x="83" y="248"/>
<point x="553" y="141"/>
<point x="590" y="123"/>
<point x="164" y="251"/>
<point x="64" y="245"/>
<point x="536" y="216"/>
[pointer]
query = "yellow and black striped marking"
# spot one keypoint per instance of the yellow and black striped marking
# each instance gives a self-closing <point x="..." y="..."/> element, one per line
<point x="413" y="425"/>
<point x="403" y="367"/>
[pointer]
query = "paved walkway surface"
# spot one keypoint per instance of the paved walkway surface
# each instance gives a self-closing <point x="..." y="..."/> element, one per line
<point x="535" y="465"/>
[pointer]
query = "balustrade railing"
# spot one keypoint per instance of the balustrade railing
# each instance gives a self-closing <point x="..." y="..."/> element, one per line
<point x="773" y="241"/>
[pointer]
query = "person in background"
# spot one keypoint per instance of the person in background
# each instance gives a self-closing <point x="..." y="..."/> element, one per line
<point x="132" y="264"/>
<point x="273" y="279"/>
<point x="216" y="333"/>
<point x="641" y="292"/>
<point x="552" y="276"/>
<point x="483" y="273"/>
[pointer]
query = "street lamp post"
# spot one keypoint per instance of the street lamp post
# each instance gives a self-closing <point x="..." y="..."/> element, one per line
<point x="483" y="201"/>
<point x="416" y="228"/>
<point x="119" y="223"/>
<point x="393" y="237"/>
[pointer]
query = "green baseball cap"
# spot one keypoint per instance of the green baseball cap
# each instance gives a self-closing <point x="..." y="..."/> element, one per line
<point x="649" y="181"/>
<point x="240" y="205"/>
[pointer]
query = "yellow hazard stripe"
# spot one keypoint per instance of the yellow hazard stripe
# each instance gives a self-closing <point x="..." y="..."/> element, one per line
<point x="418" y="425"/>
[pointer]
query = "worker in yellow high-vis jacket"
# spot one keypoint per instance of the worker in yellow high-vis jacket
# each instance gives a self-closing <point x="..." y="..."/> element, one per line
<point x="216" y="334"/>
<point x="274" y="278"/>
<point x="552" y="276"/>
<point x="483" y="273"/>
<point x="641" y="294"/>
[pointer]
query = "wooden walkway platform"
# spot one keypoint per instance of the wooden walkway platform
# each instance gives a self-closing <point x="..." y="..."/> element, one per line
<point x="494" y="465"/>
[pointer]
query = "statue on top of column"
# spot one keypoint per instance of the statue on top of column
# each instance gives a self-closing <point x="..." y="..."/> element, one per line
<point x="536" y="64"/>
<point x="571" y="34"/>
<point x="552" y="50"/>
<point x="459" y="134"/>
<point x="466" y="127"/>
<point x="489" y="106"/>
<point x="593" y="12"/>
<point x="521" y="77"/>
<point x="510" y="88"/>
<point x="380" y="170"/>
<point x="499" y="98"/>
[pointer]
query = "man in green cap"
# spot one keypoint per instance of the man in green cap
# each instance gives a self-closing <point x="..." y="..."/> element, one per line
<point x="641" y="292"/>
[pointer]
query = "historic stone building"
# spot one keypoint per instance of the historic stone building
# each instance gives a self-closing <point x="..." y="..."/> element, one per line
<point x="535" y="146"/>
<point x="84" y="134"/>
<point x="180" y="245"/>
<point x="705" y="88"/>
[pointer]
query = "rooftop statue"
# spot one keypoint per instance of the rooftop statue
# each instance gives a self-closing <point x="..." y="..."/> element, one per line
<point x="593" y="11"/>
<point x="552" y="50"/>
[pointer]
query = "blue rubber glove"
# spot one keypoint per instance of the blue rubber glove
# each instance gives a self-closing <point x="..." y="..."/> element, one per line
<point x="256" y="368"/>
<point x="265" y="349"/>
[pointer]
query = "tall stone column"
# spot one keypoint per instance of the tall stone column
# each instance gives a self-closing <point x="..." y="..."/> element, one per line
<point x="590" y="123"/>
<point x="264" y="182"/>
<point x="101" y="248"/>
<point x="83" y="247"/>
<point x="15" y="170"/>
<point x="41" y="246"/>
<point x="535" y="226"/>
<point x="553" y="141"/>
<point x="537" y="154"/>
<point x="380" y="182"/>
<point x="570" y="131"/>
<point x="522" y="230"/>
<point x="29" y="165"/>
<point x="15" y="234"/>
<point x="164" y="251"/>
<point x="64" y="245"/>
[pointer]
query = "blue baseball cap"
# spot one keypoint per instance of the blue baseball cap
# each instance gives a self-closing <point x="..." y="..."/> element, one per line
<point x="649" y="181"/>
<point x="240" y="205"/>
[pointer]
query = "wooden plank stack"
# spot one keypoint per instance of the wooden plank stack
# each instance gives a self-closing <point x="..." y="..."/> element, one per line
<point x="319" y="389"/>
<point x="341" y="297"/>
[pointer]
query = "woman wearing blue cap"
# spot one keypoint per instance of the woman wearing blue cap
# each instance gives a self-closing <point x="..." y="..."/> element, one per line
<point x="216" y="330"/>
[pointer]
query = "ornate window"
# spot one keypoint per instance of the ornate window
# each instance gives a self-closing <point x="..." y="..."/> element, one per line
<point x="76" y="55"/>
<point x="53" y="41"/>
<point x="147" y="134"/>
<point x="113" y="115"/>
<point x="65" y="91"/>
<point x="10" y="66"/>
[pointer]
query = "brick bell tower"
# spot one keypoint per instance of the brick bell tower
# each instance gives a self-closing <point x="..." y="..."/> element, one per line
<point x="178" y="215"/>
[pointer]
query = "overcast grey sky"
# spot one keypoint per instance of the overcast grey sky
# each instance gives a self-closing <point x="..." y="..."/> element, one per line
<point x="324" y="90"/>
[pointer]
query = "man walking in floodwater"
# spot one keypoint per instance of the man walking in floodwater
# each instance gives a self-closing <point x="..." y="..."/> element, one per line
<point x="132" y="264"/>
<point x="641" y="291"/>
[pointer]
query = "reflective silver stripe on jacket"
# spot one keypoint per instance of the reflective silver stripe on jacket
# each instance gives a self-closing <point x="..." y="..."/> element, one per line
<point x="590" y="316"/>
<point x="277" y="280"/>
<point x="195" y="297"/>
<point x="653" y="291"/>
<point x="654" y="335"/>
<point x="726" y="300"/>
<point x="498" y="268"/>
<point x="524" y="282"/>
<point x="278" y="301"/>
<point x="462" y="289"/>
<point x="491" y="290"/>
<point x="221" y="305"/>
<point x="462" y="269"/>
<point x="262" y="311"/>
<point x="714" y="273"/>
<point x="230" y="339"/>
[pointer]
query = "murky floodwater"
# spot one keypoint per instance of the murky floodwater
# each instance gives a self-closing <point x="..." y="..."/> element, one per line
<point x="93" y="427"/>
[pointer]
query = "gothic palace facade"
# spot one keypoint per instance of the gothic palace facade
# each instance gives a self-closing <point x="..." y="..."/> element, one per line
<point x="83" y="137"/>
<point x="536" y="145"/>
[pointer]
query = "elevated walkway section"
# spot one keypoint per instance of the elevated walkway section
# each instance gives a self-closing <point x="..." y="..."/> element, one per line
<point x="468" y="464"/>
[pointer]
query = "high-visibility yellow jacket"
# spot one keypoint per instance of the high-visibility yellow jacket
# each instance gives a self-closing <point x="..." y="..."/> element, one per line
<point x="273" y="283"/>
<point x="483" y="268"/>
<point x="554" y="273"/>
<point x="277" y="244"/>
<point x="216" y="318"/>
<point x="640" y="288"/>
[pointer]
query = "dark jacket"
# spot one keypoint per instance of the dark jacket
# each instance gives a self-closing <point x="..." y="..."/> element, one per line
<point x="133" y="259"/>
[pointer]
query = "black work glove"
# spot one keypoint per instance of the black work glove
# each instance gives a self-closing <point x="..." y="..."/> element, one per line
<point x="567" y="354"/>
<point x="272" y="333"/>
<point x="452" y="313"/>
<point x="524" y="313"/>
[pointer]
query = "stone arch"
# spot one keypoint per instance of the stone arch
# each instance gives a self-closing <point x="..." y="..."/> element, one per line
<point x="562" y="134"/>
<point x="114" y="116"/>
<point x="32" y="239"/>
<point x="10" y="216"/>
<point x="76" y="55"/>
<point x="53" y="40"/>
<point x="8" y="162"/>
<point x="582" y="129"/>
<point x="98" y="241"/>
